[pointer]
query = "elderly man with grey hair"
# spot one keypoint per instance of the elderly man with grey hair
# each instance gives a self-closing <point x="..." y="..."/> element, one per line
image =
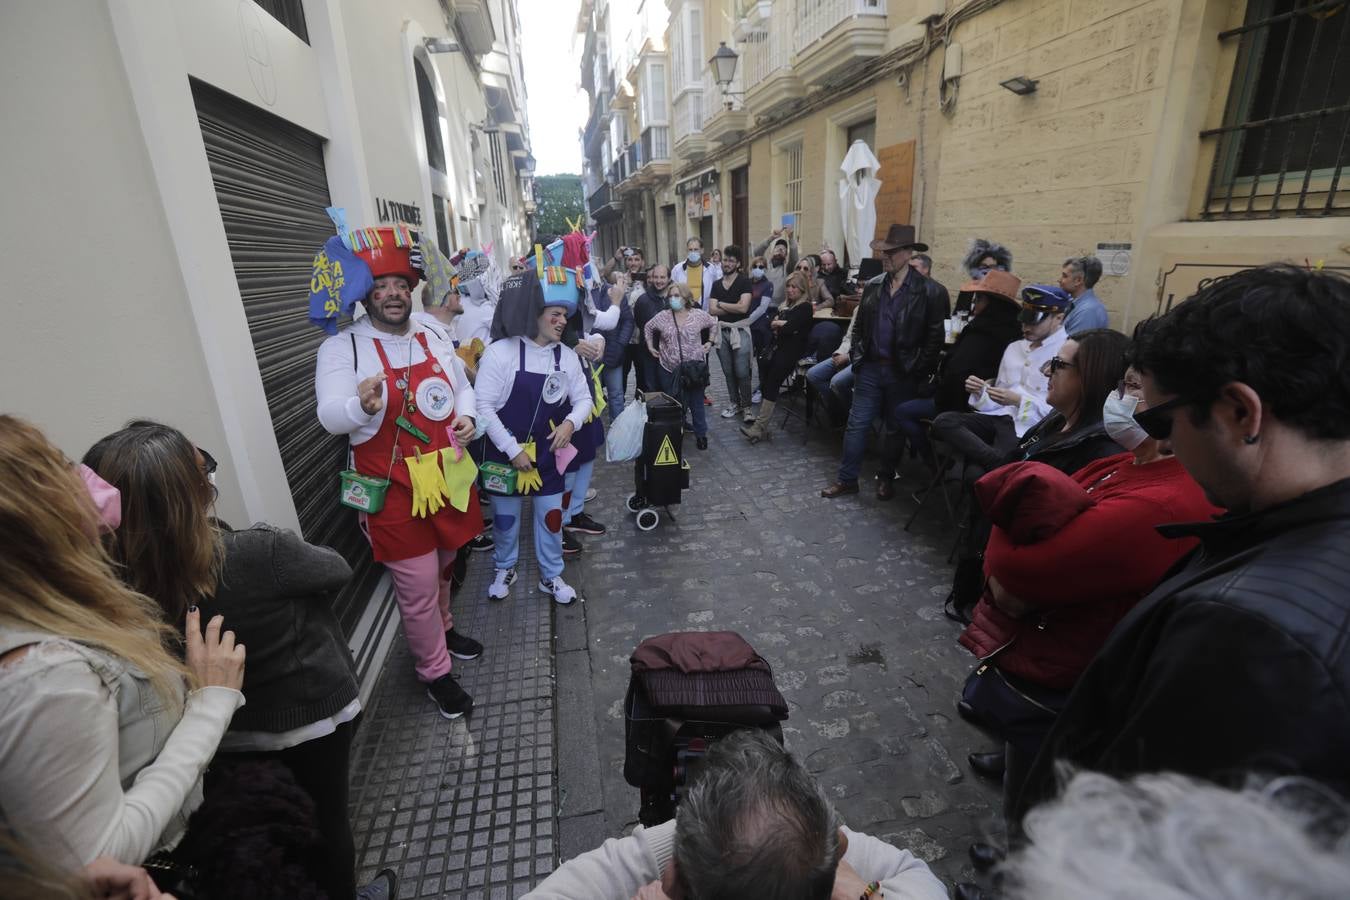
<point x="754" y="824"/>
<point x="1077" y="277"/>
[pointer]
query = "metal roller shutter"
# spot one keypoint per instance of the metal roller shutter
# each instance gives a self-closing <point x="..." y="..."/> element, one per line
<point x="272" y="189"/>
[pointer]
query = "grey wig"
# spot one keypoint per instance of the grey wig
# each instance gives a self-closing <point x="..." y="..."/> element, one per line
<point x="979" y="249"/>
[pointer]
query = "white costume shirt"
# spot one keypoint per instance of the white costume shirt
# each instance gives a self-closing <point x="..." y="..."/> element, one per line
<point x="335" y="377"/>
<point x="497" y="375"/>
<point x="1020" y="371"/>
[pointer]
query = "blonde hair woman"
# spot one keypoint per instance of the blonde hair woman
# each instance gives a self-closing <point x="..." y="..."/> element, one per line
<point x="791" y="326"/>
<point x="104" y="733"/>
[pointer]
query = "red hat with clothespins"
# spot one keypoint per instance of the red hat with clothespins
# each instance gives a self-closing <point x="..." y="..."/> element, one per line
<point x="390" y="250"/>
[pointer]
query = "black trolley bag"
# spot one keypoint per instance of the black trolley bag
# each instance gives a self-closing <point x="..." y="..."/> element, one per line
<point x="660" y="472"/>
<point x="676" y="709"/>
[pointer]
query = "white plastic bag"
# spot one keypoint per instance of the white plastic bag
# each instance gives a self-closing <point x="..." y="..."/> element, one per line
<point x="624" y="440"/>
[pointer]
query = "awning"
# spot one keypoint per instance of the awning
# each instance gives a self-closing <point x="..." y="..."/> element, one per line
<point x="700" y="182"/>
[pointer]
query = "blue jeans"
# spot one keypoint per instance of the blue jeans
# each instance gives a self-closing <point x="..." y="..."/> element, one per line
<point x="824" y="377"/>
<point x="506" y="513"/>
<point x="877" y="391"/>
<point x="736" y="368"/>
<point x="611" y="378"/>
<point x="907" y="418"/>
<point x="575" y="486"/>
<point x="692" y="400"/>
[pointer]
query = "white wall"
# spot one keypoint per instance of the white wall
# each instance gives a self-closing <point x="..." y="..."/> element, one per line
<point x="96" y="327"/>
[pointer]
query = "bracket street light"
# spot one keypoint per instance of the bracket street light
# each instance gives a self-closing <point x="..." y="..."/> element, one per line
<point x="440" y="45"/>
<point x="1020" y="84"/>
<point x="723" y="64"/>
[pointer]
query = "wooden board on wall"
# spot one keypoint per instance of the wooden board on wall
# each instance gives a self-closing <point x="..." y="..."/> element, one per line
<point x="896" y="200"/>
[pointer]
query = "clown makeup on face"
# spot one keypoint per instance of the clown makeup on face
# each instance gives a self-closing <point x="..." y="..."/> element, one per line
<point x="389" y="303"/>
<point x="552" y="321"/>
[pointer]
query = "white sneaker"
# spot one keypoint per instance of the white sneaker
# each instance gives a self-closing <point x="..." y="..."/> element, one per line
<point x="559" y="590"/>
<point x="729" y="412"/>
<point x="502" y="580"/>
<point x="756" y="397"/>
<point x="591" y="494"/>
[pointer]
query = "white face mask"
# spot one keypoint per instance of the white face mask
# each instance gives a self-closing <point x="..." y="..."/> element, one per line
<point x="694" y="257"/>
<point x="757" y="273"/>
<point x="1118" y="420"/>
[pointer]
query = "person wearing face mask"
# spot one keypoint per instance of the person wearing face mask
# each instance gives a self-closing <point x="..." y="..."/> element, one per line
<point x="651" y="301"/>
<point x="677" y="336"/>
<point x="697" y="273"/>
<point x="1069" y="554"/>
<point x="533" y="396"/>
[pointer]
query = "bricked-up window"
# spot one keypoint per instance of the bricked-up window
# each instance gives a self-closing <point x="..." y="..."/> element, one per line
<point x="1284" y="146"/>
<point x="792" y="181"/>
<point x="289" y="13"/>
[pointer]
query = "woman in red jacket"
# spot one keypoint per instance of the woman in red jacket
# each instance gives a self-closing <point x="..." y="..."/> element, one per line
<point x="1068" y="557"/>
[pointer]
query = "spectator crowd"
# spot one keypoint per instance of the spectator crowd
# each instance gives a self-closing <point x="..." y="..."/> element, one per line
<point x="1152" y="576"/>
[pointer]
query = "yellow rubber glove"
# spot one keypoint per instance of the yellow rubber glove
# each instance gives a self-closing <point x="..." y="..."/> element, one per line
<point x="599" y="391"/>
<point x="428" y="484"/>
<point x="531" y="480"/>
<point x="460" y="475"/>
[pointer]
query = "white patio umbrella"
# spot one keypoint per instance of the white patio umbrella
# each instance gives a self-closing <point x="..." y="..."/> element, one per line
<point x="858" y="190"/>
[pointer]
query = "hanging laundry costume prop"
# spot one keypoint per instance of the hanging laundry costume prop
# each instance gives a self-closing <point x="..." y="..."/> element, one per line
<point x="409" y="477"/>
<point x="525" y="389"/>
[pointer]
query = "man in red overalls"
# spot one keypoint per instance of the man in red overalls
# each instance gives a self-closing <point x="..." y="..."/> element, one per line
<point x="402" y="396"/>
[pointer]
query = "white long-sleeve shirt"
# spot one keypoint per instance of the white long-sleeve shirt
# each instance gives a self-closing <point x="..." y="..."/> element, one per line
<point x="335" y="377"/>
<point x="618" y="867"/>
<point x="1020" y="371"/>
<point x="497" y="375"/>
<point x="92" y="763"/>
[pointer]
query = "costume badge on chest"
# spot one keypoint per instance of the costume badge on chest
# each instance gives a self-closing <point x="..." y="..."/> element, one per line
<point x="553" y="388"/>
<point x="435" y="399"/>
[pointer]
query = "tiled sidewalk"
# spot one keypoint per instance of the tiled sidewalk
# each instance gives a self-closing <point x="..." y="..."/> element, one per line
<point x="464" y="808"/>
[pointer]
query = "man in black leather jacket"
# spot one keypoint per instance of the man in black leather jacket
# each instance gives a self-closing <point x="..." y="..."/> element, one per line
<point x="1239" y="660"/>
<point x="897" y="340"/>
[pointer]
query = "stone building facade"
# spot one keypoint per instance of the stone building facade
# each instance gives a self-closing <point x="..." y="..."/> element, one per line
<point x="1164" y="136"/>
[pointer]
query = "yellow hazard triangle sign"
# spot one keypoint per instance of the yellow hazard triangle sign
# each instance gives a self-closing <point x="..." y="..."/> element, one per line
<point x="665" y="456"/>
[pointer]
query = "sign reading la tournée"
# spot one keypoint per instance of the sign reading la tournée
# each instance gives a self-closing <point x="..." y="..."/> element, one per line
<point x="392" y="211"/>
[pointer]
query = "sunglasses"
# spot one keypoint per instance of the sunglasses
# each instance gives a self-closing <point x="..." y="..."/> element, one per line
<point x="1156" y="421"/>
<point x="1054" y="364"/>
<point x="209" y="463"/>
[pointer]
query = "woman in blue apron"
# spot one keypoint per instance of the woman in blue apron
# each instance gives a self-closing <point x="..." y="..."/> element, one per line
<point x="534" y="398"/>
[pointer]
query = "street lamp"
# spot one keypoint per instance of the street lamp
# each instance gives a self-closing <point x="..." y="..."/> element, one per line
<point x="440" y="45"/>
<point x="723" y="64"/>
<point x="1020" y="85"/>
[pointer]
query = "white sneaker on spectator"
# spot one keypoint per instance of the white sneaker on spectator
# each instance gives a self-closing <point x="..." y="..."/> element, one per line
<point x="502" y="579"/>
<point x="559" y="590"/>
<point x="729" y="412"/>
<point x="591" y="494"/>
<point x="756" y="397"/>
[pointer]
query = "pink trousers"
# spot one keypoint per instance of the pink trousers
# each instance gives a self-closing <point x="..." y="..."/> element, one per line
<point x="422" y="587"/>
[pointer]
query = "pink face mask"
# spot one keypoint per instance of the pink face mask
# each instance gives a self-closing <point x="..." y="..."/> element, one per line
<point x="107" y="499"/>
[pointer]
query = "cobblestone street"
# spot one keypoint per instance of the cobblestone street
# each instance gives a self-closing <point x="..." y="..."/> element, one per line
<point x="844" y="604"/>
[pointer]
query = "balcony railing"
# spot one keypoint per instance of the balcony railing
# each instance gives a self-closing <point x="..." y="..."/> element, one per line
<point x="656" y="144"/>
<point x="601" y="198"/>
<point x="633" y="158"/>
<point x="689" y="112"/>
<point x="769" y="48"/>
<point x="815" y="18"/>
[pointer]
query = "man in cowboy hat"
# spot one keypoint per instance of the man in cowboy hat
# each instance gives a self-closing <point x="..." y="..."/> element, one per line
<point x="897" y="339"/>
